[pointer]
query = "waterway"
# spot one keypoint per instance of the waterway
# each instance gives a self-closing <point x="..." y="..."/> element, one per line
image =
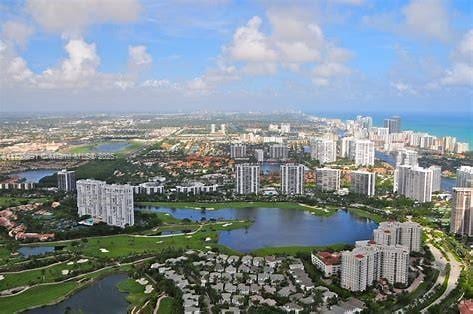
<point x="34" y="175"/>
<point x="280" y="227"/>
<point x="102" y="296"/>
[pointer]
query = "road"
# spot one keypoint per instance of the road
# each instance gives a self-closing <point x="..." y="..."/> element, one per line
<point x="158" y="302"/>
<point x="455" y="270"/>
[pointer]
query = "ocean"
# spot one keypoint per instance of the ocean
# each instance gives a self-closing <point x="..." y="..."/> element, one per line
<point x="455" y="124"/>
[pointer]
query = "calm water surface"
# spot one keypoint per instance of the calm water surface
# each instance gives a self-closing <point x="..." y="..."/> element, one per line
<point x="102" y="296"/>
<point x="28" y="251"/>
<point x="281" y="227"/>
<point x="34" y="175"/>
<point x="111" y="147"/>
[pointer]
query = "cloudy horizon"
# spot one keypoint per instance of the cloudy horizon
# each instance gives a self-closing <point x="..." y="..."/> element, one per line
<point x="153" y="56"/>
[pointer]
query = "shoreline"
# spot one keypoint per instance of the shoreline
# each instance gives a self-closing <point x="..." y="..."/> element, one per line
<point x="325" y="211"/>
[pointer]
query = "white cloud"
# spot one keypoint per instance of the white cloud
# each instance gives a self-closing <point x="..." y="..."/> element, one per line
<point x="16" y="32"/>
<point x="349" y="2"/>
<point x="403" y="88"/>
<point x="250" y="44"/>
<point x="14" y="68"/>
<point x="324" y="72"/>
<point x="70" y="18"/>
<point x="295" y="39"/>
<point x="461" y="71"/>
<point x="421" y="19"/>
<point x="77" y="70"/>
<point x="139" y="55"/>
<point x="429" y="18"/>
<point x="19" y="70"/>
<point x="124" y="84"/>
<point x="157" y="83"/>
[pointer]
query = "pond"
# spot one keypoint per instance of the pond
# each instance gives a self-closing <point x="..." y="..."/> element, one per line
<point x="110" y="147"/>
<point x="34" y="175"/>
<point x="281" y="227"/>
<point x="27" y="251"/>
<point x="102" y="296"/>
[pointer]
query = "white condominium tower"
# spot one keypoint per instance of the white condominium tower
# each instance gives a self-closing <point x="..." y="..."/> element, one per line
<point x="66" y="180"/>
<point x="238" y="151"/>
<point x="325" y="151"/>
<point x="292" y="179"/>
<point x="465" y="177"/>
<point x="408" y="234"/>
<point x="327" y="179"/>
<point x="393" y="124"/>
<point x="344" y="146"/>
<point x="278" y="151"/>
<point x="406" y="157"/>
<point x="285" y="128"/>
<point x="259" y="155"/>
<point x="247" y="179"/>
<point x="368" y="262"/>
<point x="436" y="178"/>
<point x="365" y="122"/>
<point x="414" y="183"/>
<point x="362" y="152"/>
<point x="461" y="221"/>
<point x="363" y="182"/>
<point x="110" y="203"/>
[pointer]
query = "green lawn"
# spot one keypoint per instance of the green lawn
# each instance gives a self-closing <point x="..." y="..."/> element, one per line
<point x="4" y="252"/>
<point x="366" y="214"/>
<point x="80" y="149"/>
<point x="36" y="297"/>
<point x="136" y="295"/>
<point x="166" y="306"/>
<point x="43" y="275"/>
<point x="119" y="246"/>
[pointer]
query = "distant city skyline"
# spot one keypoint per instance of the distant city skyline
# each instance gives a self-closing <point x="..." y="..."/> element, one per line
<point x="161" y="56"/>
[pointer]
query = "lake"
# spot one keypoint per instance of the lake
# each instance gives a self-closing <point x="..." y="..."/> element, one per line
<point x="110" y="147"/>
<point x="102" y="296"/>
<point x="281" y="227"/>
<point x="34" y="175"/>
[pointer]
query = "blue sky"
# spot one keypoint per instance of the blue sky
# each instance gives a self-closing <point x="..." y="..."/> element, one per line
<point x="164" y="56"/>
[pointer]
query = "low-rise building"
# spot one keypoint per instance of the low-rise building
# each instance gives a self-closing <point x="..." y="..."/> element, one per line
<point x="327" y="262"/>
